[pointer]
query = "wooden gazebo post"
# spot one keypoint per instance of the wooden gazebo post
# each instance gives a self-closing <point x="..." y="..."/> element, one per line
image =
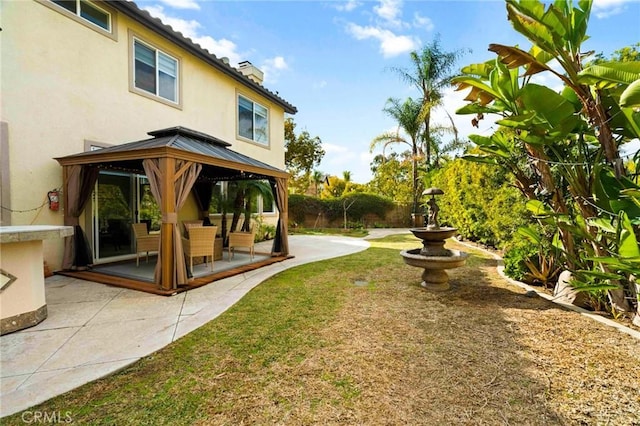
<point x="169" y="218"/>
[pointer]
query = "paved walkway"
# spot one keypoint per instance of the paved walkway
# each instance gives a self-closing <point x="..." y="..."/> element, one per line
<point x="94" y="330"/>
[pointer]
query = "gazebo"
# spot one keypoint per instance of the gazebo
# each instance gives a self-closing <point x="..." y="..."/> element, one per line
<point x="176" y="161"/>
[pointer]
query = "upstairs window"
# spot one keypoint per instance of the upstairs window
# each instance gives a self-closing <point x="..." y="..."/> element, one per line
<point x="253" y="121"/>
<point x="155" y="72"/>
<point x="87" y="11"/>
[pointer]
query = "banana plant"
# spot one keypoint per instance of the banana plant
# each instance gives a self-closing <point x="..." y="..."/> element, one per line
<point x="619" y="84"/>
<point x="536" y="117"/>
<point x="557" y="32"/>
<point x="623" y="261"/>
<point x="570" y="138"/>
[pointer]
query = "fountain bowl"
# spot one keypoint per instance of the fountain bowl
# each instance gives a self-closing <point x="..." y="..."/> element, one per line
<point x="434" y="259"/>
<point x="454" y="259"/>
<point x="434" y="276"/>
<point x="433" y="234"/>
<point x="433" y="240"/>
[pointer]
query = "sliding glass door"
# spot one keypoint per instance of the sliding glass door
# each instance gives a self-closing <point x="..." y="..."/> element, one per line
<point x="119" y="200"/>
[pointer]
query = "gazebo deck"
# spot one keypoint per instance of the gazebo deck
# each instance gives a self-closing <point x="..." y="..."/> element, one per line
<point x="125" y="274"/>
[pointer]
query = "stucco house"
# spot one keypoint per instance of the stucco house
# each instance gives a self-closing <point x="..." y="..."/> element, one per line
<point x="80" y="78"/>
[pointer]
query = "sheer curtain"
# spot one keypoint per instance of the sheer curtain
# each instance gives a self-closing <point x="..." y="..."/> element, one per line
<point x="186" y="173"/>
<point x="80" y="183"/>
<point x="281" y="240"/>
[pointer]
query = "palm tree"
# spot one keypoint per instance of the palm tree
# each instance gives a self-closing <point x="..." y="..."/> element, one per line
<point x="407" y="115"/>
<point x="430" y="74"/>
<point x="346" y="177"/>
<point x="246" y="191"/>
<point x="317" y="177"/>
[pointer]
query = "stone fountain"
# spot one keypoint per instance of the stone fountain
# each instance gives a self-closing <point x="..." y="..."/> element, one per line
<point x="433" y="257"/>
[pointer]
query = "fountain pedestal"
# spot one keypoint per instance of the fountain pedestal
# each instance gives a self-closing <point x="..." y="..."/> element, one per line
<point x="433" y="257"/>
<point x="434" y="276"/>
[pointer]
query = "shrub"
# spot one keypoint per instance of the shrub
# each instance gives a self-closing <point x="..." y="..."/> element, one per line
<point x="480" y="201"/>
<point x="302" y="205"/>
<point x="532" y="263"/>
<point x="515" y="257"/>
<point x="359" y="205"/>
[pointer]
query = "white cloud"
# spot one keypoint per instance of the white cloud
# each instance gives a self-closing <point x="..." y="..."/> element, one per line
<point x="390" y="11"/>
<point x="605" y="8"/>
<point x="182" y="4"/>
<point x="548" y="79"/>
<point x="390" y="43"/>
<point x="361" y="172"/>
<point x="277" y="63"/>
<point x="387" y="23"/>
<point x="630" y="148"/>
<point x="336" y="164"/>
<point x="348" y="6"/>
<point x="420" y="21"/>
<point x="188" y="28"/>
<point x="330" y="148"/>
<point x="339" y="158"/>
<point x="272" y="68"/>
<point x="319" y="84"/>
<point x="452" y="101"/>
<point x="366" y="158"/>
<point x="191" y="29"/>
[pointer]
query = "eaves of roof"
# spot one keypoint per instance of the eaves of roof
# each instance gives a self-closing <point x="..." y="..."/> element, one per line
<point x="132" y="10"/>
<point x="176" y="142"/>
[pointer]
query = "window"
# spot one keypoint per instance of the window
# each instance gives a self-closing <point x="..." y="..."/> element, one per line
<point x="155" y="72"/>
<point x="87" y="11"/>
<point x="253" y="121"/>
<point x="268" y="206"/>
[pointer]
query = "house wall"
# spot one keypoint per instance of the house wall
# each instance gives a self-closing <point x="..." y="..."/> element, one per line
<point x="64" y="84"/>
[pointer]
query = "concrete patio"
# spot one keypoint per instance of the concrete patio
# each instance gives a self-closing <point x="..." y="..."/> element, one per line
<point x="93" y="330"/>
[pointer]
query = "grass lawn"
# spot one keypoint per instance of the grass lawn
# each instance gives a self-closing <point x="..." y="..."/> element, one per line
<point x="356" y="340"/>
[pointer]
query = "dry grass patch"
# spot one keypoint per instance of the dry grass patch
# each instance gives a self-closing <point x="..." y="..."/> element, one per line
<point x="314" y="345"/>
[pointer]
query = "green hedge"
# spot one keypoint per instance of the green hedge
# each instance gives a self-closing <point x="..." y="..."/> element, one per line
<point x="360" y="204"/>
<point x="480" y="201"/>
<point x="302" y="205"/>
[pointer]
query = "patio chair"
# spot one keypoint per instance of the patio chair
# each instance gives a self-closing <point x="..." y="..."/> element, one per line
<point x="144" y="241"/>
<point x="241" y="239"/>
<point x="200" y="243"/>
<point x="188" y="224"/>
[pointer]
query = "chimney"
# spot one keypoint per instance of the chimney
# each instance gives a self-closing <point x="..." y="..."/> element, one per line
<point x="253" y="73"/>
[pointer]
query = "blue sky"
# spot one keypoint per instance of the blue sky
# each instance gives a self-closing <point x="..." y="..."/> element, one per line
<point x="333" y="59"/>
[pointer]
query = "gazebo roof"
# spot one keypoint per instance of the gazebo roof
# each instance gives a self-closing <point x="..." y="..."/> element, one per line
<point x="218" y="161"/>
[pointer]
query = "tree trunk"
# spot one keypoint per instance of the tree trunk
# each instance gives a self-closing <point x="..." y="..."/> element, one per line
<point x="223" y="228"/>
<point x="427" y="140"/>
<point x="599" y="117"/>
<point x="237" y="209"/>
<point x="344" y="212"/>
<point x="414" y="165"/>
<point x="557" y="201"/>
<point x="600" y="120"/>
<point x="246" y="225"/>
<point x="581" y="194"/>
